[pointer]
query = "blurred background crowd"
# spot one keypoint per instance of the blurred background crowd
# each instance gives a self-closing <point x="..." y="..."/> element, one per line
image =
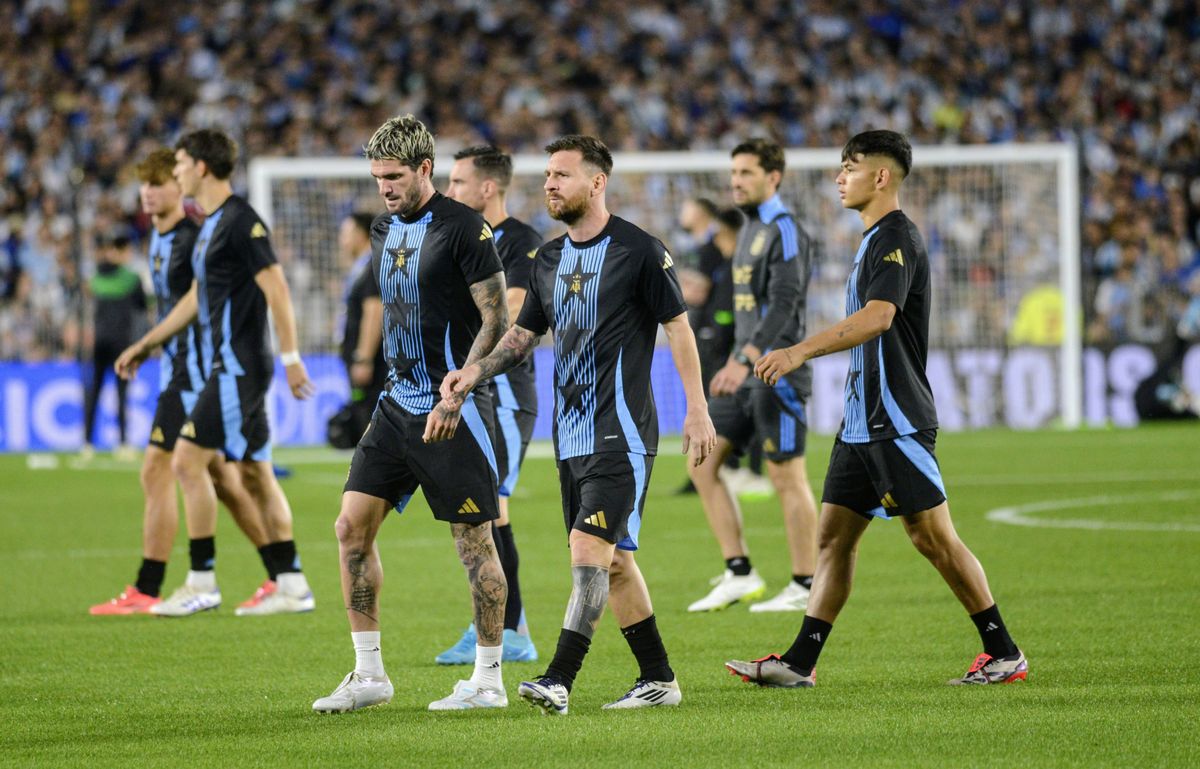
<point x="87" y="88"/>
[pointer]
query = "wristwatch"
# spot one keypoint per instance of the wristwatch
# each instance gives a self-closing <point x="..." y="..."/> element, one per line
<point x="742" y="358"/>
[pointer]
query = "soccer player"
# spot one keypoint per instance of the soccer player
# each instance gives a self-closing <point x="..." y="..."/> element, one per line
<point x="771" y="267"/>
<point x="181" y="377"/>
<point x="882" y="464"/>
<point x="604" y="288"/>
<point x="362" y="332"/>
<point x="480" y="179"/>
<point x="237" y="278"/>
<point x="442" y="287"/>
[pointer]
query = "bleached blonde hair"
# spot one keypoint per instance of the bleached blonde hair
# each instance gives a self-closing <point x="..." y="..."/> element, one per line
<point x="402" y="138"/>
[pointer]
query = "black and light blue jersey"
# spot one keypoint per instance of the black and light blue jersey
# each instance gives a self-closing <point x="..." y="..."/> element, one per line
<point x="170" y="257"/>
<point x="232" y="247"/>
<point x="517" y="244"/>
<point x="887" y="394"/>
<point x="771" y="267"/>
<point x="425" y="264"/>
<point x="604" y="299"/>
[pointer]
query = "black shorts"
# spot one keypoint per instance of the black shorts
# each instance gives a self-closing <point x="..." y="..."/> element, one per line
<point x="887" y="478"/>
<point x="458" y="476"/>
<point x="773" y="415"/>
<point x="230" y="415"/>
<point x="169" y="416"/>
<point x="512" y="429"/>
<point x="604" y="494"/>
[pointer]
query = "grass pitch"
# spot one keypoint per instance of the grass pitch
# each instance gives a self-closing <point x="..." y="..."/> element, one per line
<point x="1101" y="594"/>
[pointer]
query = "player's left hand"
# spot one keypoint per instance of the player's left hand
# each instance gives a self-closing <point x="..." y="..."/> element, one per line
<point x="298" y="382"/>
<point x="361" y="373"/>
<point x="699" y="435"/>
<point x="728" y="379"/>
<point x="777" y="363"/>
<point x="442" y="422"/>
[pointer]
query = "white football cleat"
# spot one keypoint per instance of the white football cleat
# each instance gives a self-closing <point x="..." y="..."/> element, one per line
<point x="354" y="693"/>
<point x="279" y="603"/>
<point x="187" y="600"/>
<point x="794" y="597"/>
<point x="730" y="589"/>
<point x="547" y="694"/>
<point x="648" y="694"/>
<point x="468" y="696"/>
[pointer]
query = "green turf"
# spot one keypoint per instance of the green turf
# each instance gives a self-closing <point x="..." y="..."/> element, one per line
<point x="1107" y="618"/>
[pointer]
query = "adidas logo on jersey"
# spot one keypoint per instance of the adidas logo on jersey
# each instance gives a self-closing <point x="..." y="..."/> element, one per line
<point x="188" y="430"/>
<point x="896" y="257"/>
<point x="667" y="260"/>
<point x="468" y="507"/>
<point x="486" y="233"/>
<point x="156" y="435"/>
<point x="889" y="501"/>
<point x="597" y="520"/>
<point x="258" y="230"/>
<point x="532" y="253"/>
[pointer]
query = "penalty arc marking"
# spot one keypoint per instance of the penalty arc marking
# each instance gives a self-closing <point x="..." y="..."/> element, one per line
<point x="1023" y="515"/>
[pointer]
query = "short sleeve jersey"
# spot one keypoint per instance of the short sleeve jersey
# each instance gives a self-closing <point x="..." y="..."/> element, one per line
<point x="887" y="394"/>
<point x="170" y="257"/>
<point x="425" y="264"/>
<point x="771" y="267"/>
<point x="362" y="286"/>
<point x="604" y="299"/>
<point x="517" y="244"/>
<point x="232" y="247"/>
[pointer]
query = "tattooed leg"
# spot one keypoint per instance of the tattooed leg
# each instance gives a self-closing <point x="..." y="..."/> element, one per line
<point x="361" y="569"/>
<point x="589" y="596"/>
<point x="489" y="590"/>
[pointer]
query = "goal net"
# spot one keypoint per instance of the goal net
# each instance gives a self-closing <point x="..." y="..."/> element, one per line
<point x="1000" y="223"/>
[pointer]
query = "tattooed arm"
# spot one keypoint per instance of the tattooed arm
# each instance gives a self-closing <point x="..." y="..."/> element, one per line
<point x="860" y="327"/>
<point x="513" y="348"/>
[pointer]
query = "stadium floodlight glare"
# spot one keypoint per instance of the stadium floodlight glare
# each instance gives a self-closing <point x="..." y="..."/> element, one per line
<point x="1001" y="224"/>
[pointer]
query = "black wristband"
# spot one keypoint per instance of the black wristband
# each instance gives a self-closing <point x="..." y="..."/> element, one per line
<point x="742" y="358"/>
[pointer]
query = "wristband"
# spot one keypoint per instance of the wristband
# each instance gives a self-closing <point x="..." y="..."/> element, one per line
<point x="289" y="358"/>
<point x="742" y="358"/>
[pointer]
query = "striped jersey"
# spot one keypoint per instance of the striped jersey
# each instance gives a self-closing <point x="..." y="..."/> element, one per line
<point x="604" y="298"/>
<point x="517" y="244"/>
<point x="887" y="394"/>
<point x="170" y="256"/>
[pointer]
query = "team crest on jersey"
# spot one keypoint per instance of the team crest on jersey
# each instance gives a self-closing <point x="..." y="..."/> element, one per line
<point x="157" y="262"/>
<point x="896" y="257"/>
<point x="401" y="256"/>
<point x="258" y="230"/>
<point x="576" y="281"/>
<point x="756" y="245"/>
<point x="742" y="275"/>
<point x="486" y="233"/>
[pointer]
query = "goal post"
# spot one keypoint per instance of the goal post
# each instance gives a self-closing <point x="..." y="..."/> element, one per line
<point x="1001" y="224"/>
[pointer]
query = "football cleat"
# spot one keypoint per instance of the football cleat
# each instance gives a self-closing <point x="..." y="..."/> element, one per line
<point x="794" y="597"/>
<point x="648" y="694"/>
<point x="187" y="600"/>
<point x="995" y="670"/>
<point x="517" y="648"/>
<point x="130" y="601"/>
<point x="354" y="693"/>
<point x="278" y="602"/>
<point x="729" y="589"/>
<point x="461" y="653"/>
<point x="468" y="696"/>
<point x="265" y="589"/>
<point x="771" y="671"/>
<point x="546" y="693"/>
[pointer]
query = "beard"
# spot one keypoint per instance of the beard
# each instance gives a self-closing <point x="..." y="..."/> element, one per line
<point x="569" y="211"/>
<point x="407" y="205"/>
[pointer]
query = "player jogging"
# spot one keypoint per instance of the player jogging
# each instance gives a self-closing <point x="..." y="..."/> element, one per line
<point x="882" y="464"/>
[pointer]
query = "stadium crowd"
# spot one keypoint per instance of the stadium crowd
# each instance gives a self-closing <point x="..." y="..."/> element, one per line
<point x="87" y="88"/>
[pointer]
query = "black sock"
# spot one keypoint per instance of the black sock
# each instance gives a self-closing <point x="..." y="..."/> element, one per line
<point x="804" y="581"/>
<point x="996" y="640"/>
<point x="203" y="553"/>
<point x="808" y="644"/>
<point x="506" y="548"/>
<point x="568" y="657"/>
<point x="268" y="561"/>
<point x="150" y="577"/>
<point x="647" y="647"/>
<point x="740" y="565"/>
<point x="279" y="557"/>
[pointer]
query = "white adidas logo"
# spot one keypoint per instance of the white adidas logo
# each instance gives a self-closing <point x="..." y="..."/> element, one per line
<point x="816" y="637"/>
<point x="991" y="626"/>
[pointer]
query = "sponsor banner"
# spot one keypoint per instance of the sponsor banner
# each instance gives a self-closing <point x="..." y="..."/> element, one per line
<point x="41" y="404"/>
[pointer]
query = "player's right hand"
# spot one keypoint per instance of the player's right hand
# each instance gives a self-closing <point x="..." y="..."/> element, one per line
<point x="458" y="384"/>
<point x="770" y="367"/>
<point x="130" y="358"/>
<point x="442" y="422"/>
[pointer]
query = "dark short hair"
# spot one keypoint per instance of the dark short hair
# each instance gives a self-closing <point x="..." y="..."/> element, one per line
<point x="593" y="150"/>
<point x="889" y="144"/>
<point x="216" y="148"/>
<point x="731" y="217"/>
<point x="362" y="220"/>
<point x="490" y="162"/>
<point x="156" y="168"/>
<point x="769" y="153"/>
<point x="707" y="205"/>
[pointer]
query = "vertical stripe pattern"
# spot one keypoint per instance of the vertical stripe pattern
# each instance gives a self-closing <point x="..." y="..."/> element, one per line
<point x="575" y="367"/>
<point x="854" y="429"/>
<point x="400" y="288"/>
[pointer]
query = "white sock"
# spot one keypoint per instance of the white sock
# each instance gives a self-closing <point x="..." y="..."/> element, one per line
<point x="292" y="583"/>
<point x="368" y="659"/>
<point x="487" y="667"/>
<point x="202" y="580"/>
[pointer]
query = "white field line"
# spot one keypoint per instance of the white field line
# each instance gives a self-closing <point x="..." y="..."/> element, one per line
<point x="1022" y="515"/>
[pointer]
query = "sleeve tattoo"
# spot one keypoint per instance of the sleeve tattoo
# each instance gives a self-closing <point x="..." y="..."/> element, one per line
<point x="490" y="297"/>
<point x="513" y="348"/>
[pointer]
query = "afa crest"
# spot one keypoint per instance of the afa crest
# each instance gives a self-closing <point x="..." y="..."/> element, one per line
<point x="756" y="245"/>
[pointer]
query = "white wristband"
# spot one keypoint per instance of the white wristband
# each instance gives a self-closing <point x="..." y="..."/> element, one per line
<point x="289" y="358"/>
